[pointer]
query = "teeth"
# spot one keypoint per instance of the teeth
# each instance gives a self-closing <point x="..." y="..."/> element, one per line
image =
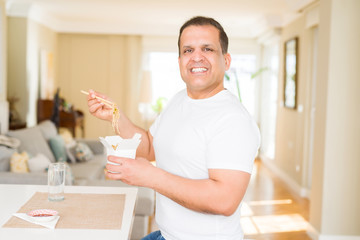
<point x="198" y="70"/>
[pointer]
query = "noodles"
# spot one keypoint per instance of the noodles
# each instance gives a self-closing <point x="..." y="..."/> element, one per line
<point x="115" y="110"/>
<point x="115" y="119"/>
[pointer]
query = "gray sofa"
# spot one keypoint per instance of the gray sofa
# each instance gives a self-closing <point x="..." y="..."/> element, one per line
<point x="89" y="173"/>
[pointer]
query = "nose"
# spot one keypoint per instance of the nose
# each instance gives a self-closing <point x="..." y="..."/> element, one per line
<point x="197" y="56"/>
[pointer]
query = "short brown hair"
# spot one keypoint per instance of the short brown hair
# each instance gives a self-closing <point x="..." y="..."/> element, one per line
<point x="203" y="21"/>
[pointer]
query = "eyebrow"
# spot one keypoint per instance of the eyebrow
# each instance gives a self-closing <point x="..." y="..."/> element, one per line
<point x="203" y="45"/>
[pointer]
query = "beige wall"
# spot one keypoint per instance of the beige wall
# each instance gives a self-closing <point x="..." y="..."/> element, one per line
<point x="110" y="64"/>
<point x="26" y="39"/>
<point x="341" y="130"/>
<point x="2" y="52"/>
<point x="316" y="195"/>
<point x="290" y="122"/>
<point x="294" y="131"/>
<point x="39" y="38"/>
<point x="4" y="112"/>
<point x="16" y="63"/>
<point x="335" y="195"/>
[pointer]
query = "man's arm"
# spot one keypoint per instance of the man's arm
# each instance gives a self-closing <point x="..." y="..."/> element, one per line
<point x="126" y="128"/>
<point x="220" y="194"/>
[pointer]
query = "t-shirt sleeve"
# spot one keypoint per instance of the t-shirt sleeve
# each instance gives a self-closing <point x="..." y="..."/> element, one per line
<point x="233" y="144"/>
<point x="154" y="127"/>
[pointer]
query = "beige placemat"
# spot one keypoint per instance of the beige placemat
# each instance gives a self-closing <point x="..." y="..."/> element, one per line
<point x="78" y="210"/>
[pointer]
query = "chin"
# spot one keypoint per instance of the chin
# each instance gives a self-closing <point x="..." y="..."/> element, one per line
<point x="196" y="86"/>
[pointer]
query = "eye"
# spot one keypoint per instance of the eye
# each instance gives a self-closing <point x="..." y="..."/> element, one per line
<point x="208" y="49"/>
<point x="188" y="50"/>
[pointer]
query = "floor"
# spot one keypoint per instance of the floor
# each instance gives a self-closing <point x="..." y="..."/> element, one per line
<point x="270" y="211"/>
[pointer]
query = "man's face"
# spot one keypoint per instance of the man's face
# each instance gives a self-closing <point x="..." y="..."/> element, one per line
<point x="202" y="63"/>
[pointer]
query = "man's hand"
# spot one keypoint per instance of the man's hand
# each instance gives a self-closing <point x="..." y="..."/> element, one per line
<point x="97" y="108"/>
<point x="220" y="194"/>
<point x="125" y="128"/>
<point x="137" y="171"/>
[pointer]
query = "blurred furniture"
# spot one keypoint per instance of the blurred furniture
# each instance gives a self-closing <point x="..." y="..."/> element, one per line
<point x="67" y="119"/>
<point x="89" y="173"/>
<point x="36" y="140"/>
<point x="19" y="125"/>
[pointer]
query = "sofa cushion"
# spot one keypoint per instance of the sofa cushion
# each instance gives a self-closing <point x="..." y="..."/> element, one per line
<point x="10" y="142"/>
<point x="82" y="152"/>
<point x="5" y="155"/>
<point x="39" y="163"/>
<point x="66" y="135"/>
<point x="57" y="146"/>
<point x="93" y="169"/>
<point x="94" y="144"/>
<point x="48" y="129"/>
<point x="70" y="151"/>
<point x="32" y="141"/>
<point x="19" y="162"/>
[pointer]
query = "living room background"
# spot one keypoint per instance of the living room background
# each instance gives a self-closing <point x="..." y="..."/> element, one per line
<point x="335" y="148"/>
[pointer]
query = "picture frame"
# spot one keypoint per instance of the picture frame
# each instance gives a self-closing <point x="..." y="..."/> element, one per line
<point x="291" y="60"/>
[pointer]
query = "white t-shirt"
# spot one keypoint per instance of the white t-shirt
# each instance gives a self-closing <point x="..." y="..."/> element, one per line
<point x="190" y="137"/>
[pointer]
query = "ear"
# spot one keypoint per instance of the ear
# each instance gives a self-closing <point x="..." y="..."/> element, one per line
<point x="227" y="61"/>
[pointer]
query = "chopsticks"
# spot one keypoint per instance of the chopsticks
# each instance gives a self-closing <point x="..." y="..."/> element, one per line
<point x="106" y="102"/>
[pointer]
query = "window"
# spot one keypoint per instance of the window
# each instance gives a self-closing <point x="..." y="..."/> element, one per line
<point x="165" y="75"/>
<point x="240" y="80"/>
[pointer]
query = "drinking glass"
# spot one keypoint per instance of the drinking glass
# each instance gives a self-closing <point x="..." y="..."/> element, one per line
<point x="56" y="181"/>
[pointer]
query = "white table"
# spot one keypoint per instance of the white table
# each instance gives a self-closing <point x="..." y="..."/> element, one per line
<point x="12" y="197"/>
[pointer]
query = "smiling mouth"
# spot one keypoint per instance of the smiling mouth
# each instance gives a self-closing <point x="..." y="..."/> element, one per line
<point x="199" y="70"/>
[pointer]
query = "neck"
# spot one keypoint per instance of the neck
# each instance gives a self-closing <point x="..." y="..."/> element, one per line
<point x="204" y="93"/>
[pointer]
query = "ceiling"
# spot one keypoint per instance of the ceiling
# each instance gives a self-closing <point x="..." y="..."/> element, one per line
<point x="240" y="18"/>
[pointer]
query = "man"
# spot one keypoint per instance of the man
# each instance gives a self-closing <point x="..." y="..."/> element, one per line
<point x="204" y="143"/>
